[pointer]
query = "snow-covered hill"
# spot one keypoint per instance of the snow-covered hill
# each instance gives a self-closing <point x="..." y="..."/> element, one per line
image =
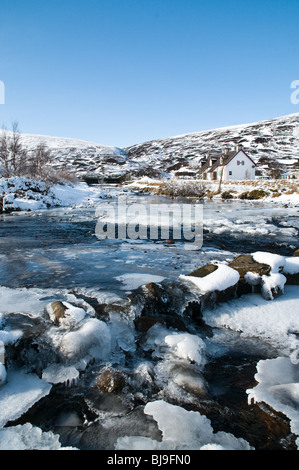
<point x="83" y="157"/>
<point x="272" y="144"/>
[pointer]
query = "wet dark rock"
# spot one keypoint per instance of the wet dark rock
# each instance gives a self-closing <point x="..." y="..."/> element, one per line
<point x="204" y="270"/>
<point x="110" y="381"/>
<point x="227" y="405"/>
<point x="58" y="309"/>
<point x="155" y="290"/>
<point x="292" y="279"/>
<point x="145" y="322"/>
<point x="193" y="310"/>
<point x="164" y="302"/>
<point x="32" y="349"/>
<point x="190" y="379"/>
<point x="246" y="263"/>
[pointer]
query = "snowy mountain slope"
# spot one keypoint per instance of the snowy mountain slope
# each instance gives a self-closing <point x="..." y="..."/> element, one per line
<point x="83" y="157"/>
<point x="272" y="144"/>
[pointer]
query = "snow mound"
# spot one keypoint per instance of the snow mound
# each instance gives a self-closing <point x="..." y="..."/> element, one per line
<point x="221" y="279"/>
<point x="186" y="346"/>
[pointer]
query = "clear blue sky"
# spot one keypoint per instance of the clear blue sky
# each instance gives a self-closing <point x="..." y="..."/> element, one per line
<point x="120" y="72"/>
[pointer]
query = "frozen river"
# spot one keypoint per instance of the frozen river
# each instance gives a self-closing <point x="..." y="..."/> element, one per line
<point x="59" y="248"/>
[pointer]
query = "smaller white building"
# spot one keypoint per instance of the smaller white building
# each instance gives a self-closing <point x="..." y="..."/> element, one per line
<point x="235" y="165"/>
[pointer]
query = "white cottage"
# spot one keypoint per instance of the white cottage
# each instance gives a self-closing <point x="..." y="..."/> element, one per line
<point x="235" y="165"/>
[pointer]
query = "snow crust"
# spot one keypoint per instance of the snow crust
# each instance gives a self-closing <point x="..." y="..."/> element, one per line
<point x="21" y="193"/>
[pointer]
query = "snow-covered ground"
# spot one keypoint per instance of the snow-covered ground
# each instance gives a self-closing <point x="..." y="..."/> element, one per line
<point x="20" y="193"/>
<point x="275" y="191"/>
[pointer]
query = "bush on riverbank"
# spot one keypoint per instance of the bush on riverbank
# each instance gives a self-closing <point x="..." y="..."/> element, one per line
<point x="181" y="188"/>
<point x="254" y="194"/>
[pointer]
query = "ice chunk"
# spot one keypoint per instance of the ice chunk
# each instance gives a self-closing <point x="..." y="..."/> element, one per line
<point x="28" y="437"/>
<point x="23" y="300"/>
<point x="19" y="393"/>
<point x="92" y="339"/>
<point x="56" y="373"/>
<point x="123" y="331"/>
<point x="171" y="420"/>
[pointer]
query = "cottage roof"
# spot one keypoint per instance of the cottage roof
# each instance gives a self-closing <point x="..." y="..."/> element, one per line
<point x="226" y="159"/>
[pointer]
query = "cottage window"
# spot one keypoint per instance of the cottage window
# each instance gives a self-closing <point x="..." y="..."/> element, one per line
<point x="238" y="162"/>
<point x="230" y="173"/>
<point x="243" y="163"/>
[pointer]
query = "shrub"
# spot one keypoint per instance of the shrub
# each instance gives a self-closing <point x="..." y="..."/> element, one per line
<point x="180" y="188"/>
<point x="227" y="195"/>
<point x="254" y="194"/>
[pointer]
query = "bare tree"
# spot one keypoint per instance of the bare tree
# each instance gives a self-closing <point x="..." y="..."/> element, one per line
<point x="15" y="160"/>
<point x="13" y="157"/>
<point x="39" y="160"/>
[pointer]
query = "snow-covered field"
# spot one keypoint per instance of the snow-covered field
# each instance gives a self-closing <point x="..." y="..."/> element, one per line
<point x="275" y="191"/>
<point x="20" y="193"/>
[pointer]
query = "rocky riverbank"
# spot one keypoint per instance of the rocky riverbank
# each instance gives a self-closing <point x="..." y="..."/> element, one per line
<point x="75" y="366"/>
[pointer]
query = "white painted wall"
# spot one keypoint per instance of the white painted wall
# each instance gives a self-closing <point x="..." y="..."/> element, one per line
<point x="241" y="171"/>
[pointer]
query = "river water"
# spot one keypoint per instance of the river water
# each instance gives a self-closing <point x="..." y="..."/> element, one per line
<point x="58" y="247"/>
